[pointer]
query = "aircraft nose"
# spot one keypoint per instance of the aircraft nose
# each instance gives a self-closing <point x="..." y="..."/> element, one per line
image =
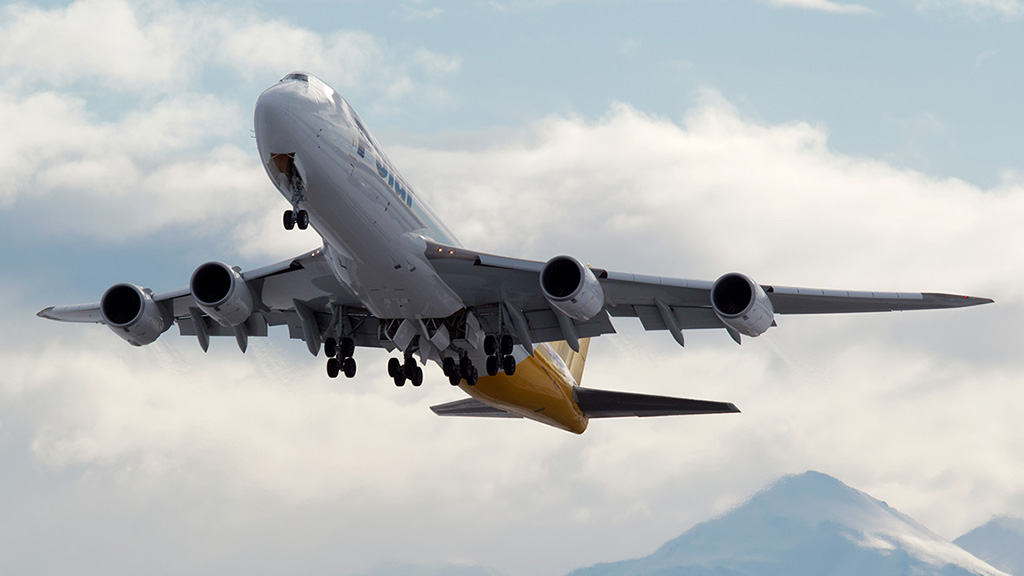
<point x="274" y="119"/>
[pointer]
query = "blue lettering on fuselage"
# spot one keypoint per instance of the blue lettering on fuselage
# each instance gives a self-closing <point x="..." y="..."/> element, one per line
<point x="394" y="183"/>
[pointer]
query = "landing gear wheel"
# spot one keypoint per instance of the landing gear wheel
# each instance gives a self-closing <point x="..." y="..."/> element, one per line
<point x="454" y="378"/>
<point x="349" y="367"/>
<point x="506" y="345"/>
<point x="333" y="367"/>
<point x="473" y="376"/>
<point x="492" y="365"/>
<point x="348" y="348"/>
<point x="409" y="369"/>
<point x="448" y="367"/>
<point x="509" y="364"/>
<point x="490" y="345"/>
<point x="464" y="367"/>
<point x="331" y="347"/>
<point x="302" y="219"/>
<point x="417" y="376"/>
<point x="289" y="219"/>
<point x="400" y="380"/>
<point x="394" y="368"/>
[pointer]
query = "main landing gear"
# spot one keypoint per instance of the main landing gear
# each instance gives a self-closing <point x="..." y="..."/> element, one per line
<point x="339" y="357"/>
<point x="460" y="370"/>
<point x="499" y="354"/>
<point x="455" y="370"/>
<point x="408" y="370"/>
<point x="293" y="218"/>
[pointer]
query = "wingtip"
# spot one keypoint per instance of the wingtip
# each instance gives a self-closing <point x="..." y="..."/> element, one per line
<point x="956" y="300"/>
<point x="975" y="301"/>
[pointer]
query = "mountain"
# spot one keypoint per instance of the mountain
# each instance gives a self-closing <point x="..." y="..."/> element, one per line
<point x="805" y="525"/>
<point x="1000" y="542"/>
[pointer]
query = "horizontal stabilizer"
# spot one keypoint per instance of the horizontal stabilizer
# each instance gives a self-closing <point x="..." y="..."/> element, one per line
<point x="600" y="404"/>
<point x="470" y="407"/>
<point x="606" y="404"/>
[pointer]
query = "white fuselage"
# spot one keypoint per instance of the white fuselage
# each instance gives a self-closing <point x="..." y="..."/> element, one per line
<point x="373" y="224"/>
<point x="375" y="230"/>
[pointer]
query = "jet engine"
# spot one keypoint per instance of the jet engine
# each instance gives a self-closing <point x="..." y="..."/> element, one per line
<point x="221" y="293"/>
<point x="132" y="314"/>
<point x="741" y="304"/>
<point x="572" y="288"/>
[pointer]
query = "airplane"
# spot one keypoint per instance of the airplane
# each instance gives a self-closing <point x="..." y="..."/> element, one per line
<point x="512" y="333"/>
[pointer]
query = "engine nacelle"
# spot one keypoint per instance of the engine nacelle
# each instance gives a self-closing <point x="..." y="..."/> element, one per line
<point x="221" y="292"/>
<point x="572" y="288"/>
<point x="132" y="314"/>
<point x="741" y="304"/>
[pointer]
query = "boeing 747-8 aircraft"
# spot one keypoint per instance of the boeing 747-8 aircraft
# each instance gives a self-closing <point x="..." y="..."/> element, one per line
<point x="512" y="333"/>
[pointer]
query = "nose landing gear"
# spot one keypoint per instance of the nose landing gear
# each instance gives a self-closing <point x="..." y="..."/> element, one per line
<point x="284" y="165"/>
<point x="293" y="218"/>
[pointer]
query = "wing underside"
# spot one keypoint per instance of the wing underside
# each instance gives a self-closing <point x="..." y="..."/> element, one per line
<point x="502" y="294"/>
<point x="495" y="285"/>
<point x="300" y="293"/>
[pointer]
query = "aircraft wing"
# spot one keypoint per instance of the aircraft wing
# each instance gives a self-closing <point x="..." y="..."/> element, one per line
<point x="299" y="293"/>
<point x="511" y="287"/>
<point x="303" y="294"/>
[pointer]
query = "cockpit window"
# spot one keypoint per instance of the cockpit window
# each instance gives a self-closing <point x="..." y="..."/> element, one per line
<point x="296" y="76"/>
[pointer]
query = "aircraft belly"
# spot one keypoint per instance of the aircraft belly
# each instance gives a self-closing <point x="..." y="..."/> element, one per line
<point x="539" y="390"/>
<point x="350" y="209"/>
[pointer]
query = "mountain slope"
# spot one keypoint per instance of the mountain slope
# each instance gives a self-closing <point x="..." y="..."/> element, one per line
<point x="1000" y="542"/>
<point x="810" y="524"/>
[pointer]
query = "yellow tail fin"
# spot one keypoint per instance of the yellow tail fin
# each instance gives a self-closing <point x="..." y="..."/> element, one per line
<point x="573" y="360"/>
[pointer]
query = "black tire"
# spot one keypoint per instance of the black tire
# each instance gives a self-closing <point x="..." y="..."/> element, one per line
<point x="289" y="219"/>
<point x="409" y="368"/>
<point x="492" y="365"/>
<point x="333" y="367"/>
<point x="464" y="366"/>
<point x="490" y="345"/>
<point x="331" y="347"/>
<point x="349" y="366"/>
<point x="506" y="345"/>
<point x="400" y="380"/>
<point x="473" y="376"/>
<point x="348" y="348"/>
<point x="394" y="368"/>
<point x="417" y="376"/>
<point x="509" y="364"/>
<point x="302" y="219"/>
<point x="454" y="378"/>
<point x="448" y="367"/>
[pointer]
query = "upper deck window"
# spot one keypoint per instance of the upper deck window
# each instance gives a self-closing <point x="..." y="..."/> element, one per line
<point x="296" y="76"/>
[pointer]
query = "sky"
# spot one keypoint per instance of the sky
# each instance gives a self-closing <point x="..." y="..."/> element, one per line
<point x="825" y="143"/>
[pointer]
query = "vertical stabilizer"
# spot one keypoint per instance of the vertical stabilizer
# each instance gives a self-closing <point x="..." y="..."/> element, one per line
<point x="574" y="361"/>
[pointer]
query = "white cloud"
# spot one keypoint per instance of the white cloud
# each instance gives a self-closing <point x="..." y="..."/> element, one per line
<point x="160" y="155"/>
<point x="92" y="39"/>
<point x="915" y="408"/>
<point x="150" y="170"/>
<point x="822" y="6"/>
<point x="414" y="11"/>
<point x="718" y="182"/>
<point x="976" y="8"/>
<point x="434" y="63"/>
<point x="139" y="48"/>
